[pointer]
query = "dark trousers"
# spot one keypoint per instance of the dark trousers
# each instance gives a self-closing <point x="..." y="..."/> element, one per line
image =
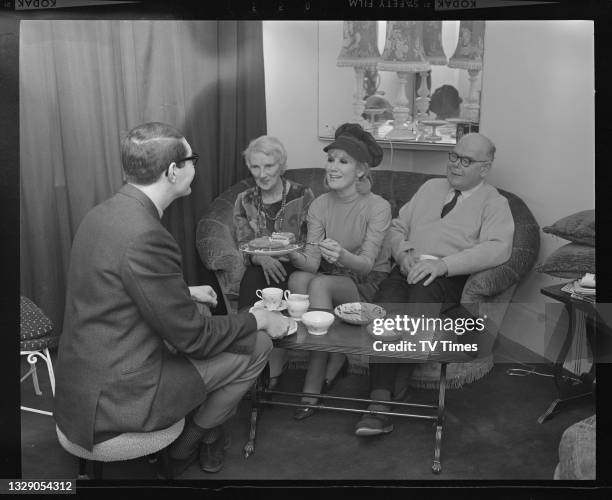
<point x="254" y="279"/>
<point x="440" y="297"/>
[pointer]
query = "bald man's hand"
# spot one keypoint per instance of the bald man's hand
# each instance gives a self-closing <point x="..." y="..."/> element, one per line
<point x="430" y="267"/>
<point x="409" y="259"/>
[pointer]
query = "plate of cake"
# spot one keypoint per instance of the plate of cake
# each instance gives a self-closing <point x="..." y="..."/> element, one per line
<point x="276" y="244"/>
<point x="359" y="313"/>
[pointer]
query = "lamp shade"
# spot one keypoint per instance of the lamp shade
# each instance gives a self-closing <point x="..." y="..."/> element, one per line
<point x="359" y="44"/>
<point x="404" y="48"/>
<point x="470" y="46"/>
<point x="432" y="43"/>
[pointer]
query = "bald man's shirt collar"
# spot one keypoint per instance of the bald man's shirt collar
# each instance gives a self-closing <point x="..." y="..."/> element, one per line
<point x="464" y="194"/>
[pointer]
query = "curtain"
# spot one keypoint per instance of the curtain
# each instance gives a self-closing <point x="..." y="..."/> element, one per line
<point x="84" y="84"/>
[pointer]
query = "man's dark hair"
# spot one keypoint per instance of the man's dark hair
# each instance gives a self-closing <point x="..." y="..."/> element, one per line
<point x="148" y="149"/>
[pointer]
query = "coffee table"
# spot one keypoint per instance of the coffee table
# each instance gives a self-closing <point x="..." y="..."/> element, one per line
<point x="350" y="339"/>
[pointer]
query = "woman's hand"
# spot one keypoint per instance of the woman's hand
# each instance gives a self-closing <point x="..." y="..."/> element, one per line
<point x="204" y="294"/>
<point x="330" y="250"/>
<point x="272" y="268"/>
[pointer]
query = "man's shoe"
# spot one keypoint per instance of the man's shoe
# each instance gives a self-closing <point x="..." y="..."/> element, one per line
<point x="373" y="425"/>
<point x="212" y="451"/>
<point x="177" y="466"/>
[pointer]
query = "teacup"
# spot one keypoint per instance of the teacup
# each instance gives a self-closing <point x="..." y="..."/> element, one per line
<point x="271" y="297"/>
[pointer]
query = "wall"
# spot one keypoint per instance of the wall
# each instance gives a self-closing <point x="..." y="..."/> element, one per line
<point x="538" y="107"/>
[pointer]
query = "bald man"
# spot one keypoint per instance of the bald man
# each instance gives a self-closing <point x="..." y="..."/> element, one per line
<point x="451" y="228"/>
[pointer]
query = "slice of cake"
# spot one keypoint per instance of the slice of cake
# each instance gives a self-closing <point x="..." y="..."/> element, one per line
<point x="268" y="243"/>
<point x="288" y="237"/>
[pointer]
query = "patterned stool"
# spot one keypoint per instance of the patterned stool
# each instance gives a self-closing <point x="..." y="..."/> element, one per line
<point x="36" y="337"/>
<point x="127" y="446"/>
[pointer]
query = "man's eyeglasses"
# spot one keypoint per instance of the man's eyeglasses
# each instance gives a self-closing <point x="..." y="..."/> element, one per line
<point x="465" y="161"/>
<point x="194" y="158"/>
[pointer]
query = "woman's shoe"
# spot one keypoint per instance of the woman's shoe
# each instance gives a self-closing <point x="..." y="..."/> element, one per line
<point x="302" y="413"/>
<point x="273" y="382"/>
<point x="328" y="384"/>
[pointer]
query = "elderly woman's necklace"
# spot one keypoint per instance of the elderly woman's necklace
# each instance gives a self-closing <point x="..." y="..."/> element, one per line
<point x="281" y="211"/>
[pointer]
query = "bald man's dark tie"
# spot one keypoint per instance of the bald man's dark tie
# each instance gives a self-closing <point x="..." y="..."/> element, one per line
<point x="451" y="204"/>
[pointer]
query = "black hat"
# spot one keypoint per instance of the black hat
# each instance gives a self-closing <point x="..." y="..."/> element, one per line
<point x="350" y="137"/>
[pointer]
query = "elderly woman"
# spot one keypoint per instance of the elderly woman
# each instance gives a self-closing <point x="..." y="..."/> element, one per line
<point x="343" y="261"/>
<point x="274" y="204"/>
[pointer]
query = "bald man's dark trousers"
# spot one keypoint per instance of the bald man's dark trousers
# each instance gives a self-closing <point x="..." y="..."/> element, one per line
<point x="440" y="297"/>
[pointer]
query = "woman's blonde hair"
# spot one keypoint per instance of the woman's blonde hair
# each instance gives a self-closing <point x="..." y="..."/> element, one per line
<point x="364" y="181"/>
<point x="267" y="145"/>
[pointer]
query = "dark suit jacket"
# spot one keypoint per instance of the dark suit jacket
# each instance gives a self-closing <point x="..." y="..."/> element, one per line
<point x="125" y="296"/>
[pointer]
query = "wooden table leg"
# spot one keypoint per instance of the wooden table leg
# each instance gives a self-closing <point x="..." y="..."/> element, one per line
<point x="436" y="468"/>
<point x="568" y="392"/>
<point x="256" y="394"/>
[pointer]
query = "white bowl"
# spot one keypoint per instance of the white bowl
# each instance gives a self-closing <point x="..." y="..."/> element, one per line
<point x="317" y="322"/>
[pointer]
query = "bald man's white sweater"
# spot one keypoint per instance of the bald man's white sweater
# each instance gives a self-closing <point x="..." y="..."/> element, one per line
<point x="475" y="235"/>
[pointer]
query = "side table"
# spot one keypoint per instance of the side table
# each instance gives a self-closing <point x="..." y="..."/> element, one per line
<point x="570" y="388"/>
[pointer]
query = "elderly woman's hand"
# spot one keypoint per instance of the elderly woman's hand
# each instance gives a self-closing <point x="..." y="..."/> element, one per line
<point x="330" y="250"/>
<point x="272" y="268"/>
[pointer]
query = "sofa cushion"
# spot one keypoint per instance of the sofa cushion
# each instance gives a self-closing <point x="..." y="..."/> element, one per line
<point x="570" y="261"/>
<point x="577" y="228"/>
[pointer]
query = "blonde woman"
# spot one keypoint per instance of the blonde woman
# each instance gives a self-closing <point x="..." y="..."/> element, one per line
<point x="348" y="225"/>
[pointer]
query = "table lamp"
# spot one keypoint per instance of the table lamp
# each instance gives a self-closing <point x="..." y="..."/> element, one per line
<point x="359" y="50"/>
<point x="434" y="53"/>
<point x="404" y="54"/>
<point x="468" y="56"/>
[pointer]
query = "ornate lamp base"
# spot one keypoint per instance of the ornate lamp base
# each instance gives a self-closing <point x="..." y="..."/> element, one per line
<point x="401" y="130"/>
<point x="433" y="137"/>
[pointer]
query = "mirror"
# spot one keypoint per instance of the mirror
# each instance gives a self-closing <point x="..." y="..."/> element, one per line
<point x="413" y="83"/>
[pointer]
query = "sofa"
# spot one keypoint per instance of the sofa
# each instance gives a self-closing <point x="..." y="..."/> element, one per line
<point x="488" y="292"/>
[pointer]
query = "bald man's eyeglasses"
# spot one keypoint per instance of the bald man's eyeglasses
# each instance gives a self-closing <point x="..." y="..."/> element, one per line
<point x="464" y="160"/>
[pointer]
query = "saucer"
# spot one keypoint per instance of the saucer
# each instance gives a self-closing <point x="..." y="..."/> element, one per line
<point x="427" y="257"/>
<point x="293" y="326"/>
<point x="260" y="305"/>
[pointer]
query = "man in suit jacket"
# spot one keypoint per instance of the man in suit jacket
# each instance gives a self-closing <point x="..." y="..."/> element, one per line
<point x="451" y="228"/>
<point x="126" y="298"/>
